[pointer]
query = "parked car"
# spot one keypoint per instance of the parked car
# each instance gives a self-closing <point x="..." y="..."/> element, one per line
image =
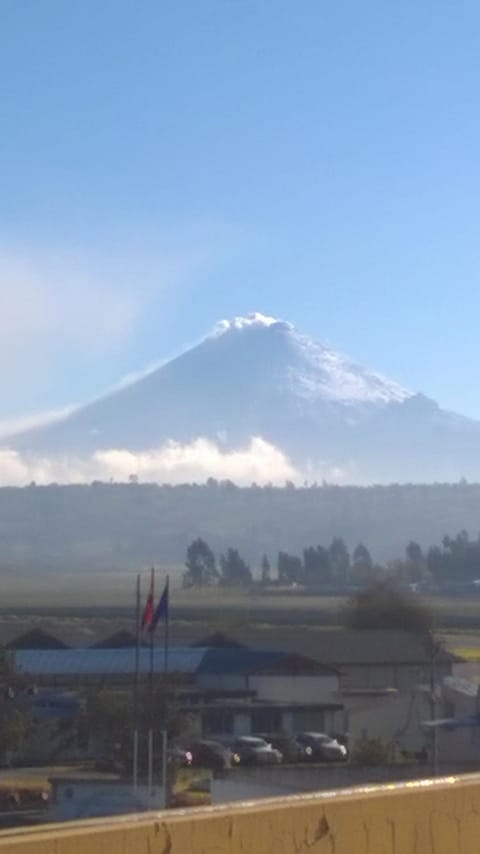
<point x="343" y="738"/>
<point x="289" y="747"/>
<point x="252" y="750"/>
<point x="179" y="756"/>
<point x="207" y="753"/>
<point x="324" y="748"/>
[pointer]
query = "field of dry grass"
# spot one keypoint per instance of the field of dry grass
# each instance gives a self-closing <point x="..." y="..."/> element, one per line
<point x="91" y="604"/>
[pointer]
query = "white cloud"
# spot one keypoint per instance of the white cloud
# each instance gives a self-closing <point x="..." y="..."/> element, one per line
<point x="259" y="461"/>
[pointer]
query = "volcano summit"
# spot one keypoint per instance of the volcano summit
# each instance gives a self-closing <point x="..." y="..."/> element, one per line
<point x="256" y="376"/>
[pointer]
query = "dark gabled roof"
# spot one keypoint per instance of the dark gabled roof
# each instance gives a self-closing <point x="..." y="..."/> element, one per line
<point x="292" y="664"/>
<point x="231" y="660"/>
<point x="37" y="639"/>
<point x="188" y="660"/>
<point x="123" y="639"/>
<point x="219" y="639"/>
<point x="252" y="661"/>
<point x="341" y="647"/>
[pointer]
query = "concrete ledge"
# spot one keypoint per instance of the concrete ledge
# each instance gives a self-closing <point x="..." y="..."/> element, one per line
<point x="423" y="817"/>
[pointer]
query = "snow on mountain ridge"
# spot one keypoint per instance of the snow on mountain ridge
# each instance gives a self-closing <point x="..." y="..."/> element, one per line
<point x="314" y="371"/>
<point x="259" y="377"/>
<point x="325" y="373"/>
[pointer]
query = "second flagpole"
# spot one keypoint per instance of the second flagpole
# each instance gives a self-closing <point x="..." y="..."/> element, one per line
<point x="167" y="627"/>
<point x="166" y="695"/>
<point x="136" y="686"/>
<point x="150" y="691"/>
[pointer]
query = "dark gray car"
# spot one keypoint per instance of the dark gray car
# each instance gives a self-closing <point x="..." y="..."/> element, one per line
<point x="323" y="747"/>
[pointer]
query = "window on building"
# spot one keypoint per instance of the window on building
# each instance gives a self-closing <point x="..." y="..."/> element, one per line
<point x="218" y="721"/>
<point x="266" y="720"/>
<point x="309" y="719"/>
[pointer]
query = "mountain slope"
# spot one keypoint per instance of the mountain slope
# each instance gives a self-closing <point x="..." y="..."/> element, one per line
<point x="257" y="376"/>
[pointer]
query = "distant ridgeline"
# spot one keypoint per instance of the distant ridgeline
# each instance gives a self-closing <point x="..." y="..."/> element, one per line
<point x="123" y="526"/>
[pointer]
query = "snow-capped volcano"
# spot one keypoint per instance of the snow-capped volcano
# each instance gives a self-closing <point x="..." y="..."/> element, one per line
<point x="315" y="371"/>
<point x="255" y="318"/>
<point x="257" y="376"/>
<point x="322" y="373"/>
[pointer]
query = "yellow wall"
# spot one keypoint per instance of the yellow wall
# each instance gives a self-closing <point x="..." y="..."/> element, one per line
<point x="425" y="817"/>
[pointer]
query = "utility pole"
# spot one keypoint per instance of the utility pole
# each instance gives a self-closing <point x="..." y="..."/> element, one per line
<point x="433" y="649"/>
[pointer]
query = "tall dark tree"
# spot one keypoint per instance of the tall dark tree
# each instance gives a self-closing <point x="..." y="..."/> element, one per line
<point x="413" y="552"/>
<point x="457" y="561"/>
<point x="462" y="557"/>
<point x="266" y="577"/>
<point x="362" y="570"/>
<point x="108" y="718"/>
<point x="234" y="571"/>
<point x="339" y="560"/>
<point x="361" y="556"/>
<point x="201" y="565"/>
<point x="415" y="564"/>
<point x="383" y="605"/>
<point x="11" y="680"/>
<point x="436" y="563"/>
<point x="15" y="718"/>
<point x="290" y="569"/>
<point x="15" y="729"/>
<point x="316" y="566"/>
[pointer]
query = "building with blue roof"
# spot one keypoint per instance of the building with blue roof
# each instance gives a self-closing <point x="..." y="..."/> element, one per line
<point x="234" y="690"/>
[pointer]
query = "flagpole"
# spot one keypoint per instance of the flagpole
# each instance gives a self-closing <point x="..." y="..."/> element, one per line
<point x="167" y="628"/>
<point x="135" y="690"/>
<point x="150" y="731"/>
<point x="152" y="641"/>
<point x="165" y="681"/>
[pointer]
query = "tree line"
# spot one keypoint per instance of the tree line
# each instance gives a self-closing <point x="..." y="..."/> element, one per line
<point x="122" y="526"/>
<point x="202" y="568"/>
<point x="319" y="566"/>
<point x="456" y="560"/>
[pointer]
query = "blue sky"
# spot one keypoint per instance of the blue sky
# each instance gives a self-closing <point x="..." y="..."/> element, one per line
<point x="166" y="164"/>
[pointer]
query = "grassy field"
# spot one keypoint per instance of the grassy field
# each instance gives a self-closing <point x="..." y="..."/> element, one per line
<point x="109" y="588"/>
<point x="24" y="789"/>
<point x="468" y="653"/>
<point x="31" y="782"/>
<point x="108" y="600"/>
<point x="32" y="778"/>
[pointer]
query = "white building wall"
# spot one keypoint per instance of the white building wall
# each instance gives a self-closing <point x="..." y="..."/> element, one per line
<point x="222" y="682"/>
<point x="460" y="699"/>
<point x="391" y="718"/>
<point x="241" y="723"/>
<point x="287" y="721"/>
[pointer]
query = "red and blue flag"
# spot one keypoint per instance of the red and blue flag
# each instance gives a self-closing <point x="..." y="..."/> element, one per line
<point x="161" y="611"/>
